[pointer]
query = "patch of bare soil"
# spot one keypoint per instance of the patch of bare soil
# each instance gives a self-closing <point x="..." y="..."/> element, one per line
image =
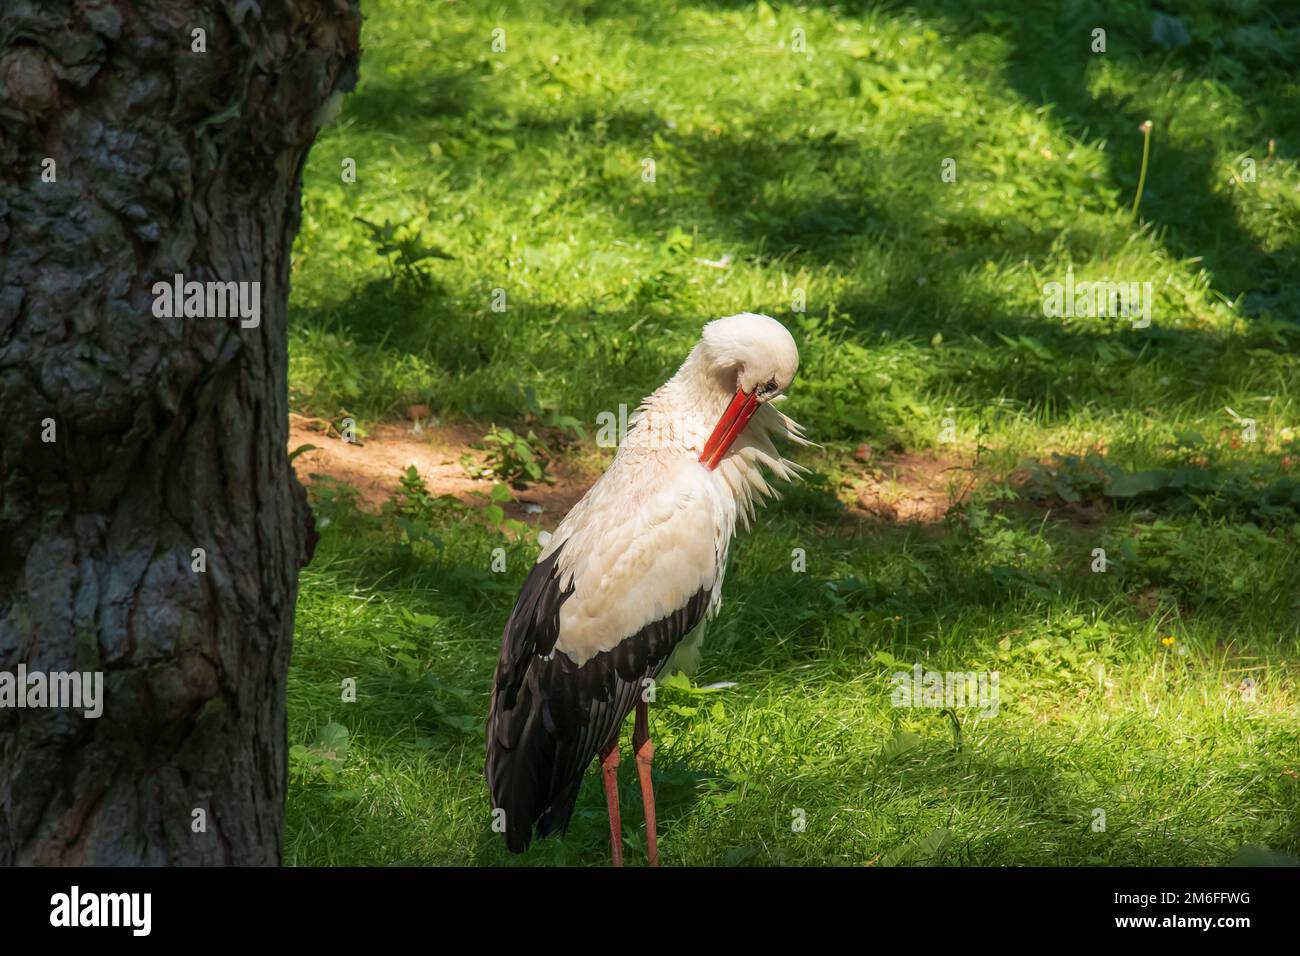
<point x="374" y="466"/>
<point x="907" y="487"/>
<point x="910" y="486"/>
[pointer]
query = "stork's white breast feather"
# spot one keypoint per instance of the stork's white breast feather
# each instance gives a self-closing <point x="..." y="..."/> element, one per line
<point x="654" y="531"/>
<point x="634" y="558"/>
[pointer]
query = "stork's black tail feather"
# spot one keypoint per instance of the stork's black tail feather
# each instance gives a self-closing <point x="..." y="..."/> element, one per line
<point x="523" y="774"/>
<point x="520" y="751"/>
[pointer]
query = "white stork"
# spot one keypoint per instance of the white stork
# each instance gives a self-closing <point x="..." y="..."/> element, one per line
<point x="631" y="571"/>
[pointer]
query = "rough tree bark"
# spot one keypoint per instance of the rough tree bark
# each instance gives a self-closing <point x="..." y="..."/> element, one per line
<point x="169" y="433"/>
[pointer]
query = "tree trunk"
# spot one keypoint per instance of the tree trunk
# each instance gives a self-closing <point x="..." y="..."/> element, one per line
<point x="129" y="439"/>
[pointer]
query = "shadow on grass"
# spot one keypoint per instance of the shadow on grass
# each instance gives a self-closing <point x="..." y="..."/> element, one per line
<point x="388" y="103"/>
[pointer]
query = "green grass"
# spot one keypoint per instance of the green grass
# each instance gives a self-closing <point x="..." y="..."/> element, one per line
<point x="818" y="174"/>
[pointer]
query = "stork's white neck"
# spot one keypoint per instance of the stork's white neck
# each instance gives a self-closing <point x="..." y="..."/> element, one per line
<point x="679" y="416"/>
<point x="677" y="419"/>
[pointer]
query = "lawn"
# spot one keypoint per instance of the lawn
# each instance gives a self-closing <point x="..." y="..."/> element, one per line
<point x="551" y="198"/>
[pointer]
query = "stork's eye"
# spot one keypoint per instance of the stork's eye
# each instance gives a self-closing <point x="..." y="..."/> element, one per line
<point x="768" y="387"/>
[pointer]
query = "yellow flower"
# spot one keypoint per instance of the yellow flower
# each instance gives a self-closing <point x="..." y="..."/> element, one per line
<point x="1167" y="641"/>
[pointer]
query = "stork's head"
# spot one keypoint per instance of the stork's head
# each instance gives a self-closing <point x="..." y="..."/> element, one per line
<point x="752" y="358"/>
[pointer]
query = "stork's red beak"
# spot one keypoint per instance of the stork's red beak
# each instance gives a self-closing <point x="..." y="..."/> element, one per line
<point x="729" y="427"/>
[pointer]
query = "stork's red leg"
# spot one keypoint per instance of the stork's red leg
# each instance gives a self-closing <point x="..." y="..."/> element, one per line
<point x="645" y="755"/>
<point x="609" y="772"/>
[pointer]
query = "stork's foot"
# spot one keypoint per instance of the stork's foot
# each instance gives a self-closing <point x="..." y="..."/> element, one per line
<point x="609" y="773"/>
<point x="645" y="755"/>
